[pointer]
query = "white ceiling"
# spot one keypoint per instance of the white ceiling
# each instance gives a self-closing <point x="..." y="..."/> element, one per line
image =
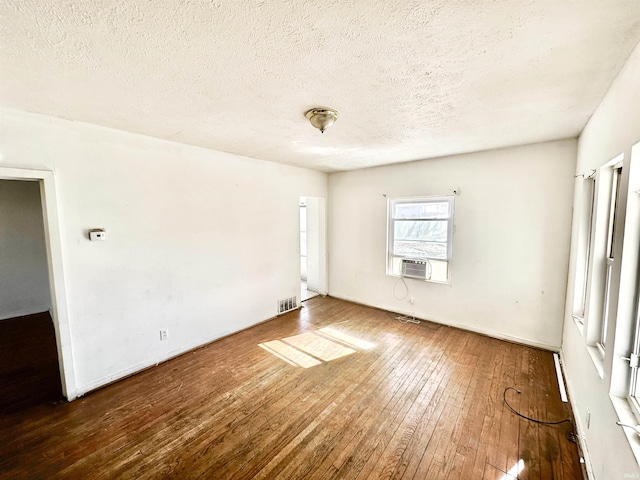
<point x="412" y="79"/>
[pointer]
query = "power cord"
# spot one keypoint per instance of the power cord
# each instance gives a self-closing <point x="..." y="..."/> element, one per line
<point x="636" y="428"/>
<point x="535" y="420"/>
<point x="406" y="289"/>
<point x="404" y="318"/>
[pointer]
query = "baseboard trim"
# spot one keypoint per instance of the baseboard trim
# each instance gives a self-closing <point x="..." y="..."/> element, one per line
<point x="155" y="361"/>
<point x="577" y="421"/>
<point x="481" y="331"/>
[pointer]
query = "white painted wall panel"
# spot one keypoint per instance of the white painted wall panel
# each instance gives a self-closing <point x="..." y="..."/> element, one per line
<point x="613" y="129"/>
<point x="510" y="246"/>
<point x="24" y="282"/>
<point x="199" y="242"/>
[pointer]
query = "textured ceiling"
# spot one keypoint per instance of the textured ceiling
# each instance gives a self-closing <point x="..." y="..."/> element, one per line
<point x="412" y="79"/>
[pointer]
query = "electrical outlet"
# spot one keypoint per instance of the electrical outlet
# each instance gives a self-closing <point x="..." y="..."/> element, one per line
<point x="164" y="334"/>
<point x="587" y="419"/>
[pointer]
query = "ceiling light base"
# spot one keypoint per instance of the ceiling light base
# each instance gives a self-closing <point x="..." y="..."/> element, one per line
<point x="322" y="118"/>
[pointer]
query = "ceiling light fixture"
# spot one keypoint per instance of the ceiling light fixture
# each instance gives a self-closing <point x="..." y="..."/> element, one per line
<point x="322" y="118"/>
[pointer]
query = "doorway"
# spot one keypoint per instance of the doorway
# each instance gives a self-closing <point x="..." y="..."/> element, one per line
<point x="305" y="292"/>
<point x="56" y="317"/>
<point x="28" y="357"/>
<point x="313" y="257"/>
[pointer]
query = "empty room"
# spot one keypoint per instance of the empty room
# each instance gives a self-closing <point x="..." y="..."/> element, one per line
<point x="314" y="240"/>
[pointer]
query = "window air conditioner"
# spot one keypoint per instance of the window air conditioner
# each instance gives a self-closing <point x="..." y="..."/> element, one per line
<point x="414" y="268"/>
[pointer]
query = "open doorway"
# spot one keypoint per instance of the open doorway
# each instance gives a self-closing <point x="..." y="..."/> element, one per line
<point x="58" y="315"/>
<point x="28" y="354"/>
<point x="305" y="292"/>
<point x="313" y="257"/>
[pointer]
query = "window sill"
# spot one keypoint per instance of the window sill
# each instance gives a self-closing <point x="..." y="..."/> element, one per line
<point x="625" y="415"/>
<point x="598" y="362"/>
<point x="439" y="282"/>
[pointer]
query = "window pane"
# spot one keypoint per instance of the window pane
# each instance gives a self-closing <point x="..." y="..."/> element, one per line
<point x="615" y="193"/>
<point x="424" y="231"/>
<point x="605" y="306"/>
<point x="421" y="210"/>
<point x="420" y="249"/>
<point x="426" y="238"/>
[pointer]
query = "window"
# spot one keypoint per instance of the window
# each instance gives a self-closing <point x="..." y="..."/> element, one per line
<point x="421" y="228"/>
<point x="634" y="361"/>
<point x="618" y="254"/>
<point x="584" y="250"/>
<point x="631" y="249"/>
<point x="610" y="260"/>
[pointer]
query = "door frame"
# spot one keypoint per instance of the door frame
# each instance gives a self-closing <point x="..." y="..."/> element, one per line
<point x="317" y="245"/>
<point x="59" y="308"/>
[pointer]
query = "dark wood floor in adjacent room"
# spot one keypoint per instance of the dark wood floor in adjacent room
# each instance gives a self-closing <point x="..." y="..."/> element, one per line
<point x="422" y="402"/>
<point x="29" y="373"/>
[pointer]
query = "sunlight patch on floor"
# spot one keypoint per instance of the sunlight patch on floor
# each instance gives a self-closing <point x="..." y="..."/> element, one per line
<point x="289" y="354"/>
<point x="491" y="472"/>
<point x="514" y="471"/>
<point x="314" y="348"/>
<point x="319" y="347"/>
<point x="346" y="338"/>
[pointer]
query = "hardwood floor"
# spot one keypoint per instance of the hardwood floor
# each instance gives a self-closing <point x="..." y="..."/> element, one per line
<point x="29" y="372"/>
<point x="305" y="293"/>
<point x="424" y="402"/>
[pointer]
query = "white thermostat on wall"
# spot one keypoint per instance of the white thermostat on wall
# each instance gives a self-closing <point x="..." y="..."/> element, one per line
<point x="97" y="234"/>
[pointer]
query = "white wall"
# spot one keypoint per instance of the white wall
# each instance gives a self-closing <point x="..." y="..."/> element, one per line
<point x="200" y="242"/>
<point x="24" y="282"/>
<point x="612" y="130"/>
<point x="510" y="245"/>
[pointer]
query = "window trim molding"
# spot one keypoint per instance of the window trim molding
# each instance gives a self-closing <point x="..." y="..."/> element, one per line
<point x="596" y="298"/>
<point x="624" y="412"/>
<point x="611" y="259"/>
<point x="625" y="333"/>
<point x="585" y="250"/>
<point x="390" y="255"/>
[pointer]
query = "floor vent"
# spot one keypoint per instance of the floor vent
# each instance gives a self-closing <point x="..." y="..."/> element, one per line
<point x="287" y="304"/>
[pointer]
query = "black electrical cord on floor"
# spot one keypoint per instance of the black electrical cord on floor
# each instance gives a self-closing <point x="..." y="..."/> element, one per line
<point x="535" y="420"/>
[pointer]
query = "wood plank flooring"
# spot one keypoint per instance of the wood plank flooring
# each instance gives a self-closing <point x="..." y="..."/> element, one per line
<point x="29" y="373"/>
<point x="425" y="402"/>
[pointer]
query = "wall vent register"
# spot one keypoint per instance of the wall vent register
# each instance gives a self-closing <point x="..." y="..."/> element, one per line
<point x="287" y="304"/>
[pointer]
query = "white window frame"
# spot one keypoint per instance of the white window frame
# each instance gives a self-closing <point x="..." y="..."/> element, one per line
<point x="632" y="239"/>
<point x="391" y="203"/>
<point x="634" y="378"/>
<point x="623" y="341"/>
<point x="585" y="249"/>
<point x="610" y="258"/>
